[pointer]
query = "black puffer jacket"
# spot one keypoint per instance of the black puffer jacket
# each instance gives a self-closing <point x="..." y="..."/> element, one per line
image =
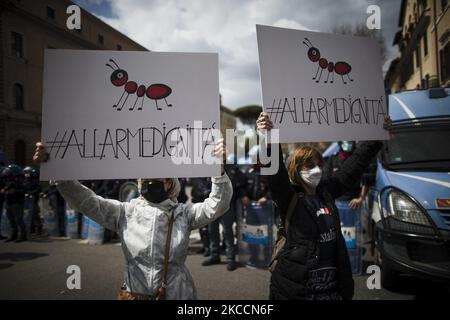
<point x="301" y="252"/>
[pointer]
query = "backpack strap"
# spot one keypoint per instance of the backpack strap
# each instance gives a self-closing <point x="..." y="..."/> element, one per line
<point x="162" y="290"/>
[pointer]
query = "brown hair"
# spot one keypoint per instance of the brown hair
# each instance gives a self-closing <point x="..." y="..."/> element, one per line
<point x="301" y="159"/>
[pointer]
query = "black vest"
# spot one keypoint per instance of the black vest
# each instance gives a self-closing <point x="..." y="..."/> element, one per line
<point x="301" y="253"/>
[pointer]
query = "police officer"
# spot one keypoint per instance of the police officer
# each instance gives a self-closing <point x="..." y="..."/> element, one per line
<point x="238" y="181"/>
<point x="33" y="189"/>
<point x="256" y="189"/>
<point x="59" y="206"/>
<point x="201" y="188"/>
<point x="14" y="193"/>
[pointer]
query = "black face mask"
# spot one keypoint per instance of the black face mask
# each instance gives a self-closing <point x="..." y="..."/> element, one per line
<point x="153" y="191"/>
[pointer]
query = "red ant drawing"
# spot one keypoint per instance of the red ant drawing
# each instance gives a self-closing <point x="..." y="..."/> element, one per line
<point x="341" y="68"/>
<point x="156" y="91"/>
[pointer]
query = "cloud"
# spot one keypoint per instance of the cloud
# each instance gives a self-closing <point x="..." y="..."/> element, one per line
<point x="291" y="24"/>
<point x="228" y="27"/>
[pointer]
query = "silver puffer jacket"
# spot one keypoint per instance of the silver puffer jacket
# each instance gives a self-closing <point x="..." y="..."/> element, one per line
<point x="142" y="227"/>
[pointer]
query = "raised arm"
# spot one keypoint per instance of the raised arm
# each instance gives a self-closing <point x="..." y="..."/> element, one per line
<point x="103" y="211"/>
<point x="218" y="202"/>
<point x="356" y="164"/>
<point x="106" y="212"/>
<point x="353" y="168"/>
<point x="279" y="183"/>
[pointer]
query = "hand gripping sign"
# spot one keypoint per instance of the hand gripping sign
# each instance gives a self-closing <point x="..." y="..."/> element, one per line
<point x="117" y="114"/>
<point x="321" y="87"/>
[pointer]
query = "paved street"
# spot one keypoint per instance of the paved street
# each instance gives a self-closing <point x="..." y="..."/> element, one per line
<point x="37" y="270"/>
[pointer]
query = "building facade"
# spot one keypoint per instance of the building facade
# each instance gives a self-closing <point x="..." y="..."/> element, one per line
<point x="27" y="28"/>
<point x="423" y="42"/>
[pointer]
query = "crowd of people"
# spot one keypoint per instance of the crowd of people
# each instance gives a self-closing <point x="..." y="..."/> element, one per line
<point x="249" y="186"/>
<point x="20" y="189"/>
<point x="19" y="185"/>
<point x="310" y="258"/>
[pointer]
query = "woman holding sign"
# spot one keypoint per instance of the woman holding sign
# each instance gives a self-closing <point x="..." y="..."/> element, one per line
<point x="154" y="229"/>
<point x="311" y="260"/>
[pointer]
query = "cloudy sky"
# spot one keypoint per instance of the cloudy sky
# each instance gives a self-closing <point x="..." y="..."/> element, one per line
<point x="228" y="27"/>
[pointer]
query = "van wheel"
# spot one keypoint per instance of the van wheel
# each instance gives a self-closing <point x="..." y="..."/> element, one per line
<point x="389" y="276"/>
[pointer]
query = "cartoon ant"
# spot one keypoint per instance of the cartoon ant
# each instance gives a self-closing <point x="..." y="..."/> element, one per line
<point x="340" y="67"/>
<point x="156" y="91"/>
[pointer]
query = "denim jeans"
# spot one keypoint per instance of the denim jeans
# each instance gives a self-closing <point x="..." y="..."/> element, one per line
<point x="227" y="223"/>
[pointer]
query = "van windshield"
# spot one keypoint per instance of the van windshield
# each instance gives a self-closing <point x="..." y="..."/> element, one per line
<point x="419" y="148"/>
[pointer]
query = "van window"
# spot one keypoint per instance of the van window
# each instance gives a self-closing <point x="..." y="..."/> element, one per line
<point x="419" y="148"/>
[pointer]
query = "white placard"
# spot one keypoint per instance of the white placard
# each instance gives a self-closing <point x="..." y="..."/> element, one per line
<point x="321" y="87"/>
<point x="121" y="115"/>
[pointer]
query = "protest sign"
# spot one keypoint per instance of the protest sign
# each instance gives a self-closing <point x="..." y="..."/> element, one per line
<point x="321" y="87"/>
<point x="124" y="115"/>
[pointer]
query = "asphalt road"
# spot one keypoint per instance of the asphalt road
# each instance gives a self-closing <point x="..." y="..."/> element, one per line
<point x="37" y="270"/>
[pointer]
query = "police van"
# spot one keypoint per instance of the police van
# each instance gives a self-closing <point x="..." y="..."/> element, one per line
<point x="410" y="200"/>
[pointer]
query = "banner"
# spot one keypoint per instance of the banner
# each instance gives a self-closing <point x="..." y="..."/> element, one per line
<point x="321" y="87"/>
<point x="126" y="115"/>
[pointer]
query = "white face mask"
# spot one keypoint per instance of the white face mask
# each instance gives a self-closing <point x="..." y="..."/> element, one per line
<point x="312" y="177"/>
